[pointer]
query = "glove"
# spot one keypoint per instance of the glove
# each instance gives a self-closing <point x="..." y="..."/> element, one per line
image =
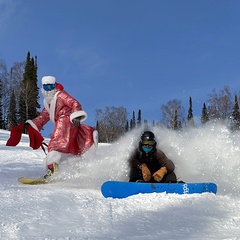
<point x="145" y="172"/>
<point x="76" y="121"/>
<point x="159" y="174"/>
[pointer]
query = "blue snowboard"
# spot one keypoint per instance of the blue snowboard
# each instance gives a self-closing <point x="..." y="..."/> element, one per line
<point x="118" y="189"/>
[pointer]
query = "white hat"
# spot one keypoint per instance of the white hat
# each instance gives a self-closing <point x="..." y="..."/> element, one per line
<point x="48" y="80"/>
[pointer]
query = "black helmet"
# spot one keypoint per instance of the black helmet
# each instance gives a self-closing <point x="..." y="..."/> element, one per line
<point x="148" y="138"/>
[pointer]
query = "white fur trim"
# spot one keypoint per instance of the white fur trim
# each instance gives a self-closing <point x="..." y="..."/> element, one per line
<point x="48" y="80"/>
<point x="32" y="124"/>
<point x="51" y="108"/>
<point x="52" y="157"/>
<point x="81" y="113"/>
<point x="45" y="166"/>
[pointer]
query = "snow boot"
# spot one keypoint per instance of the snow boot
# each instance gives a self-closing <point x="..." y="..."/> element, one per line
<point x="52" y="170"/>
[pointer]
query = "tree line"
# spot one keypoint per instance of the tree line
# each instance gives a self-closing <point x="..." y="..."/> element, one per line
<point x="19" y="93"/>
<point x="19" y="101"/>
<point x="113" y="122"/>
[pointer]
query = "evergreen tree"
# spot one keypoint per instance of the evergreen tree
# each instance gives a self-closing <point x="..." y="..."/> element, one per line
<point x="133" y="121"/>
<point x="126" y="126"/>
<point x="190" y="118"/>
<point x="12" y="112"/>
<point x="235" y="119"/>
<point x="139" y="119"/>
<point x="204" y="117"/>
<point x="100" y="132"/>
<point x="1" y="107"/>
<point x="29" y="92"/>
<point x="131" y="124"/>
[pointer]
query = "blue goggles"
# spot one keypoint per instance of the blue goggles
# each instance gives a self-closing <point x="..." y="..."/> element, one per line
<point x="48" y="87"/>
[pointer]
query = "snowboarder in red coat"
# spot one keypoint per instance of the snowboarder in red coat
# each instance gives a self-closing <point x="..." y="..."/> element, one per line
<point x="69" y="136"/>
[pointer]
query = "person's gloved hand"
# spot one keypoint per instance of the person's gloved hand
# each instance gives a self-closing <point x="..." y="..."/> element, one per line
<point x="145" y="172"/>
<point x="76" y="121"/>
<point x="159" y="174"/>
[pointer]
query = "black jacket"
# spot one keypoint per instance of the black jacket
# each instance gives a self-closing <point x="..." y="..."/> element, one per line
<point x="154" y="160"/>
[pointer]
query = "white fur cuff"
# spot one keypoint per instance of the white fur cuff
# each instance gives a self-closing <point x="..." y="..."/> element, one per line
<point x="82" y="114"/>
<point x="32" y="124"/>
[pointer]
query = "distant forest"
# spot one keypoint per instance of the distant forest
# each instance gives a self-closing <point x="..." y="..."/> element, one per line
<point x="19" y="101"/>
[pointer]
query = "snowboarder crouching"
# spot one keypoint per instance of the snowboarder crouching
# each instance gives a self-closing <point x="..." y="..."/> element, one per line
<point x="149" y="164"/>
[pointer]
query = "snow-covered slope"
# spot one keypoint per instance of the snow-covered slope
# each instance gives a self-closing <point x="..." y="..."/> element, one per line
<point x="74" y="208"/>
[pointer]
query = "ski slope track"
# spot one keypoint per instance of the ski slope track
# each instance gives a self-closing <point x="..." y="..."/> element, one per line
<point x="73" y="207"/>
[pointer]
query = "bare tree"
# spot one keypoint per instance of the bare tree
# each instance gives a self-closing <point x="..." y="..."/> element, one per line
<point x="169" y="111"/>
<point x="16" y="76"/>
<point x="220" y="105"/>
<point x="235" y="117"/>
<point x="5" y="96"/>
<point x="111" y="123"/>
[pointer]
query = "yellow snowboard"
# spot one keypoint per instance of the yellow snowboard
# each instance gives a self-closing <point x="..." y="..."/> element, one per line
<point x="34" y="181"/>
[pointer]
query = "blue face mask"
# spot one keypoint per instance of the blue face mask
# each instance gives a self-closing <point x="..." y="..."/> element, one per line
<point x="147" y="149"/>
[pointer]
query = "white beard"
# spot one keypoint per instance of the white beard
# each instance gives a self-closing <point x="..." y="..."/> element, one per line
<point x="48" y="95"/>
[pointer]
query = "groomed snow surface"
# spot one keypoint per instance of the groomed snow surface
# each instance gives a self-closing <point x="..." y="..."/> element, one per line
<point x="73" y="207"/>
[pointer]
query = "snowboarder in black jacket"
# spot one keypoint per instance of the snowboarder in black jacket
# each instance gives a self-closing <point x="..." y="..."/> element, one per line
<point x="149" y="164"/>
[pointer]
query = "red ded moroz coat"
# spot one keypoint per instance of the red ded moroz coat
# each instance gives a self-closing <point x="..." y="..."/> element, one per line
<point x="66" y="137"/>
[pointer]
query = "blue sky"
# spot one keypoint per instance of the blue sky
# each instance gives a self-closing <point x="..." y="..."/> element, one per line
<point x="138" y="54"/>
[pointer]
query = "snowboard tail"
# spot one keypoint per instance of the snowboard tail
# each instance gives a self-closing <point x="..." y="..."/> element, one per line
<point x="118" y="189"/>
